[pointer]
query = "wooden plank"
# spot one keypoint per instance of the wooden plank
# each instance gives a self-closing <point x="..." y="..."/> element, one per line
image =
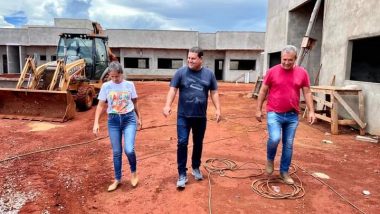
<point x="320" y="90"/>
<point x="310" y="26"/>
<point x="258" y="84"/>
<point x="239" y="77"/>
<point x="334" y="117"/>
<point x="368" y="139"/>
<point x="316" y="79"/>
<point x="343" y="92"/>
<point x="322" y="101"/>
<point x="349" y="110"/>
<point x="322" y="111"/>
<point x="323" y="117"/>
<point x="332" y="81"/>
<point x="347" y="122"/>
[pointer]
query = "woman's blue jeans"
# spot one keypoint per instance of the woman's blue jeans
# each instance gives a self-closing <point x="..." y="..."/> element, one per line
<point x="281" y="125"/>
<point x="119" y="125"/>
<point x="198" y="127"/>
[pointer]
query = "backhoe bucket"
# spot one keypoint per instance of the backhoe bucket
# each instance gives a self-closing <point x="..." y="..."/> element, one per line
<point x="41" y="105"/>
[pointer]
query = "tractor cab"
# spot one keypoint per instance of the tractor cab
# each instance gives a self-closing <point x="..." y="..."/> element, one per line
<point x="92" y="49"/>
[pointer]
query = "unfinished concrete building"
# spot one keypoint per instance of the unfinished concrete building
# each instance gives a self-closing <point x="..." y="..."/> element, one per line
<point x="347" y="38"/>
<point x="234" y="56"/>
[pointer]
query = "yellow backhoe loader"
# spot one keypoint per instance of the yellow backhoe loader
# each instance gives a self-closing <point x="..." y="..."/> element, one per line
<point x="53" y="91"/>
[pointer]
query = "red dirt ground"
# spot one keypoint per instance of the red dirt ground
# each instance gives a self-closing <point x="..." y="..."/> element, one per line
<point x="75" y="179"/>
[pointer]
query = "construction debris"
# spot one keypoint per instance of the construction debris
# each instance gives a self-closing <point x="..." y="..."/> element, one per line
<point x="366" y="192"/>
<point x="327" y="141"/>
<point x="372" y="139"/>
<point x="320" y="175"/>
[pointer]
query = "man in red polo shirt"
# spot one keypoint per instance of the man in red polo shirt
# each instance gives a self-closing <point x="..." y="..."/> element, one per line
<point x="282" y="84"/>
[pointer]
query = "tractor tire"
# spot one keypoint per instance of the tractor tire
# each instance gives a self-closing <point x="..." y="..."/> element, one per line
<point x="85" y="97"/>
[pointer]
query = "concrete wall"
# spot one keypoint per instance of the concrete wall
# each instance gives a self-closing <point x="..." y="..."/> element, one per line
<point x="232" y="75"/>
<point x="152" y="54"/>
<point x="346" y="20"/>
<point x="208" y="61"/>
<point x="155" y="44"/>
<point x="39" y="40"/>
<point x="297" y="3"/>
<point x="240" y="40"/>
<point x="152" y="44"/>
<point x="35" y="35"/>
<point x="207" y="41"/>
<point x="152" y="39"/>
<point x="13" y="59"/>
<point x="73" y="23"/>
<point x="339" y="22"/>
<point x="299" y="18"/>
<point x="22" y="56"/>
<point x="3" y="51"/>
<point x="37" y="51"/>
<point x="259" y="65"/>
<point x="287" y="22"/>
<point x="14" y="36"/>
<point x="276" y="33"/>
<point x="210" y="57"/>
<point x="49" y="36"/>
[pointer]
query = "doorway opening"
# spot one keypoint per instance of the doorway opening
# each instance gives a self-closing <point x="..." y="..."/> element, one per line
<point x="219" y="64"/>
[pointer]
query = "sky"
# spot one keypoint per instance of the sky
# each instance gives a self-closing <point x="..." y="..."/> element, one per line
<point x="207" y="16"/>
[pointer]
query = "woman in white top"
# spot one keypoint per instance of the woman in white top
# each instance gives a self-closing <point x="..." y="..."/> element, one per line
<point x="120" y="97"/>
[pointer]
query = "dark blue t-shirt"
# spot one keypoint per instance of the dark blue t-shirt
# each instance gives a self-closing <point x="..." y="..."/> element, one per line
<point x="194" y="87"/>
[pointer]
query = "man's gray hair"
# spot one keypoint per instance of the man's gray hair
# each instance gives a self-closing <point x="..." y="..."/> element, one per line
<point x="115" y="66"/>
<point x="289" y="48"/>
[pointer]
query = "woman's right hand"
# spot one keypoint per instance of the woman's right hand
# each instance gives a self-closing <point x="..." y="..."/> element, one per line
<point x="95" y="129"/>
<point x="139" y="124"/>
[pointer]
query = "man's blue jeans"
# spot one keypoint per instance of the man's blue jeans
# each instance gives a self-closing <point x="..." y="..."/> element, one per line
<point x="198" y="127"/>
<point x="284" y="124"/>
<point x="119" y="124"/>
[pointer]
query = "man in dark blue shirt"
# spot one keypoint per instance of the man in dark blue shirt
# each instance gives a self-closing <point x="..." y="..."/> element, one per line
<point x="194" y="83"/>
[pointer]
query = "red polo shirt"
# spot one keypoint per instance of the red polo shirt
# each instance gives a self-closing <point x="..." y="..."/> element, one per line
<point x="284" y="88"/>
